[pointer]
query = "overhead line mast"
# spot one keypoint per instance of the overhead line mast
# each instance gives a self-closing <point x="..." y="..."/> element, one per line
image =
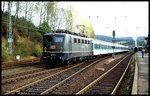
<point x="9" y="34"/>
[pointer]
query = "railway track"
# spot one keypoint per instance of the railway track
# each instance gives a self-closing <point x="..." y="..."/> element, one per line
<point x="22" y="63"/>
<point x="18" y="74"/>
<point x="79" y="81"/>
<point x="28" y="74"/>
<point x="24" y="80"/>
<point x="109" y="82"/>
<point x="47" y="81"/>
<point x="54" y="83"/>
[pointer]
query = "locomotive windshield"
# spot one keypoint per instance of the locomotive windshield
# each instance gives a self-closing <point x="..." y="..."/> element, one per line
<point x="59" y="39"/>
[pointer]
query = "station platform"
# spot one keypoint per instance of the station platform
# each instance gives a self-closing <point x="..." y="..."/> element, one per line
<point x="141" y="75"/>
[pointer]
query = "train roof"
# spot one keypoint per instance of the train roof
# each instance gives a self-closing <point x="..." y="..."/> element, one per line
<point x="107" y="43"/>
<point x="94" y="40"/>
<point x="76" y="36"/>
<point x="64" y="32"/>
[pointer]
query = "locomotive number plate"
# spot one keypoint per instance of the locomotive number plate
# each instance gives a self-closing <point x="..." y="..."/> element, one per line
<point x="52" y="47"/>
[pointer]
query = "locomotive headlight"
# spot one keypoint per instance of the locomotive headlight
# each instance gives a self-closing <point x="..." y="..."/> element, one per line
<point x="61" y="49"/>
<point x="45" y="49"/>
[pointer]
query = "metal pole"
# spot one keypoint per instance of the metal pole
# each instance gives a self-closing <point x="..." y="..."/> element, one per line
<point x="9" y="31"/>
<point x="113" y="55"/>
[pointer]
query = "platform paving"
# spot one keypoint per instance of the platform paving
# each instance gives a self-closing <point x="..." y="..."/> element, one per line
<point x="141" y="78"/>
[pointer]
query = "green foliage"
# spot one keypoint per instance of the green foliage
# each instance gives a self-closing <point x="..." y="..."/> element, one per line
<point x="88" y="29"/>
<point x="22" y="31"/>
<point x="36" y="51"/>
<point x="36" y="37"/>
<point x="44" y="28"/>
<point x="4" y="56"/>
<point x="22" y="45"/>
<point x="70" y="18"/>
<point x="26" y="48"/>
<point x="3" y="29"/>
<point x="141" y="43"/>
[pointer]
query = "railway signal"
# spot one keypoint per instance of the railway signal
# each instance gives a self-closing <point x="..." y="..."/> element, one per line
<point x="113" y="40"/>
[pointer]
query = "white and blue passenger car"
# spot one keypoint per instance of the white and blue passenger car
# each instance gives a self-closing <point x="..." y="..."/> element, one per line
<point x="101" y="47"/>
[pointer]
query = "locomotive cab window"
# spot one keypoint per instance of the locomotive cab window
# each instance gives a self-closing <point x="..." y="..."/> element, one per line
<point x="59" y="39"/>
<point x="48" y="38"/>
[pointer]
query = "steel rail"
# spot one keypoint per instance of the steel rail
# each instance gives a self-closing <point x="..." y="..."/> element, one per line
<point x="4" y="66"/>
<point x="19" y="73"/>
<point x="98" y="79"/>
<point x="26" y="76"/>
<point x="38" y="81"/>
<point x="60" y="83"/>
<point x="119" y="82"/>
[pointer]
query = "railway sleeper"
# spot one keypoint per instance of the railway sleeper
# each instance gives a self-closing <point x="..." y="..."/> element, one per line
<point x="96" y="92"/>
<point x="101" y="87"/>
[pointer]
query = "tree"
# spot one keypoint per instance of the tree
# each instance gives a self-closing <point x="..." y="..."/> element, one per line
<point x="3" y="6"/>
<point x="59" y="18"/>
<point x="49" y="11"/>
<point x="69" y="19"/>
<point x="44" y="28"/>
<point x="26" y="11"/>
<point x="17" y="12"/>
<point x="39" y="6"/>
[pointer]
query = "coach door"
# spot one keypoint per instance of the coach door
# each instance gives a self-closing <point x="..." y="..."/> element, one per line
<point x="70" y="44"/>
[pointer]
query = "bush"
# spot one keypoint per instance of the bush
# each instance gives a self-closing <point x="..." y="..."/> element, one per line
<point x="36" y="51"/>
<point x="25" y="48"/>
<point x="3" y="28"/>
<point x="27" y="40"/>
<point x="5" y="56"/>
<point x="22" y="31"/>
<point x="36" y="37"/>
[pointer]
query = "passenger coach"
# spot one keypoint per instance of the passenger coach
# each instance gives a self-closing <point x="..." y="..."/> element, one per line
<point x="101" y="47"/>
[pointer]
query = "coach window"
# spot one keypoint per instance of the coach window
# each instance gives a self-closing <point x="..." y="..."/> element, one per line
<point x="82" y="41"/>
<point x="78" y="40"/>
<point x="106" y="47"/>
<point x="109" y="47"/>
<point x="95" y="46"/>
<point x="88" y="42"/>
<point x="85" y="41"/>
<point x="103" y="46"/>
<point x="100" y="46"/>
<point x="75" y="40"/>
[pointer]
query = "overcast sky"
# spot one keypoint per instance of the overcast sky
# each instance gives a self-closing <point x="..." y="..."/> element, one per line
<point x="127" y="18"/>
